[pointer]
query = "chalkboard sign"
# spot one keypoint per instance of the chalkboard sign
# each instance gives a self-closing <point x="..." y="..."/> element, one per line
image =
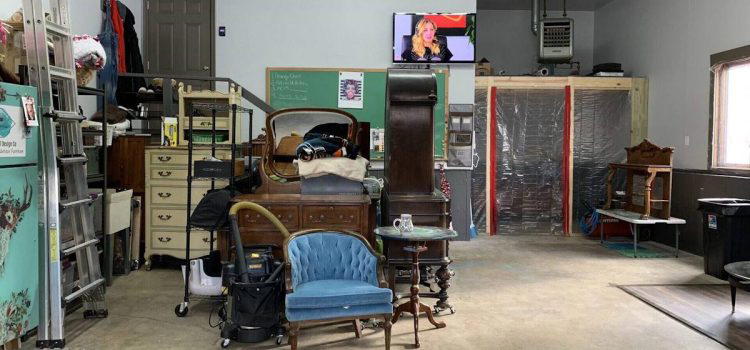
<point x="319" y="87"/>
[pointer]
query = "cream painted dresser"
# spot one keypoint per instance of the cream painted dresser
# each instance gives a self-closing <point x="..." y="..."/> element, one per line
<point x="166" y="201"/>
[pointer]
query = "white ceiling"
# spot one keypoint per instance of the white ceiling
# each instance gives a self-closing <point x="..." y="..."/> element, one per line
<point x="553" y="5"/>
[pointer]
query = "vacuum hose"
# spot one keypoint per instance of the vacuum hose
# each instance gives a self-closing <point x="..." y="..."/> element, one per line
<point x="240" y="249"/>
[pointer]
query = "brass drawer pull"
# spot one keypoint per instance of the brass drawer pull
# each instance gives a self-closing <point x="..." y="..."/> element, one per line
<point x="205" y="123"/>
<point x="165" y="173"/>
<point x="165" y="239"/>
<point x="164" y="158"/>
<point x="205" y="239"/>
<point x="165" y="217"/>
<point x="165" y="195"/>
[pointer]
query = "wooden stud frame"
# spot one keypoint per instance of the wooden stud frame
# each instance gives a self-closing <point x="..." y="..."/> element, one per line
<point x="638" y="88"/>
<point x="491" y="161"/>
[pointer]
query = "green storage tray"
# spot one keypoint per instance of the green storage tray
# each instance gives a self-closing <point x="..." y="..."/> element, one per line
<point x="205" y="137"/>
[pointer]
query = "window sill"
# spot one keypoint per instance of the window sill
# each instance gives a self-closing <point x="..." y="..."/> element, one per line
<point x="744" y="173"/>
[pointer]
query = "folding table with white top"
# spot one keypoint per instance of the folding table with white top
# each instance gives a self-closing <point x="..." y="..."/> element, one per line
<point x="634" y="219"/>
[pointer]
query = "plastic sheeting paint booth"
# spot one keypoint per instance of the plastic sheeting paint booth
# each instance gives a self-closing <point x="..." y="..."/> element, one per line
<point x="529" y="138"/>
<point x="602" y="123"/>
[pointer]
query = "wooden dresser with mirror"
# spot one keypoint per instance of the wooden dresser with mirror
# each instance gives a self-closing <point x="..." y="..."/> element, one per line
<point x="280" y="189"/>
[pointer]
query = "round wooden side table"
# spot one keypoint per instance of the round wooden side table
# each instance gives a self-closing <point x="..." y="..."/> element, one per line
<point x="417" y="240"/>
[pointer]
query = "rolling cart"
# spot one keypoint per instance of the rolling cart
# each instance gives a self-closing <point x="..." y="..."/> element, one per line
<point x="207" y="170"/>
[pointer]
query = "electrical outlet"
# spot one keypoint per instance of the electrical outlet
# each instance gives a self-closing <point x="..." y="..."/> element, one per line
<point x="687" y="140"/>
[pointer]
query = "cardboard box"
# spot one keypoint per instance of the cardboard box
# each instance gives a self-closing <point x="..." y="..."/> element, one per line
<point x="169" y="132"/>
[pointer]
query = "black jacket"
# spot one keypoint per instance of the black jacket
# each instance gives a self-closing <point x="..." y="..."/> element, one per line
<point x="127" y="87"/>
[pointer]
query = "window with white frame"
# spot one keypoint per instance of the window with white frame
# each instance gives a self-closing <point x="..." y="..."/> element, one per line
<point x="731" y="116"/>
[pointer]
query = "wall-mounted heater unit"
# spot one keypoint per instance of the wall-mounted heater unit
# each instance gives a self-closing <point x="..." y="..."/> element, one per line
<point x="555" y="40"/>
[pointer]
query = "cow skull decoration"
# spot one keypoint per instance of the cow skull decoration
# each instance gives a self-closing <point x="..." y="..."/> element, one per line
<point x="11" y="214"/>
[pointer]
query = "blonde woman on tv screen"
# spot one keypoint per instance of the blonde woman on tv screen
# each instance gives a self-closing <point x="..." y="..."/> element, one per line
<point x="426" y="45"/>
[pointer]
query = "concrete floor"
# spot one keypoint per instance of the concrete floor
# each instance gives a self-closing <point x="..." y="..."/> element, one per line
<point x="509" y="292"/>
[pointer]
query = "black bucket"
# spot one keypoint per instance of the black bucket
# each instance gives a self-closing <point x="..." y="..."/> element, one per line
<point x="255" y="310"/>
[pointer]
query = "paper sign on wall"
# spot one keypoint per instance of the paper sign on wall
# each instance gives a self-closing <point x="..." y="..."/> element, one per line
<point x="377" y="140"/>
<point x="29" y="111"/>
<point x="350" y="90"/>
<point x="12" y="141"/>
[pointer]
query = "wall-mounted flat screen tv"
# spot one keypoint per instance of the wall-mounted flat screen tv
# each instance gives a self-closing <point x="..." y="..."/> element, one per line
<point x="434" y="37"/>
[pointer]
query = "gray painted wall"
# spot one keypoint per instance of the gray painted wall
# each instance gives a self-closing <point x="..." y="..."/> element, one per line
<point x="324" y="33"/>
<point x="505" y="39"/>
<point x="670" y="41"/>
<point x="8" y="7"/>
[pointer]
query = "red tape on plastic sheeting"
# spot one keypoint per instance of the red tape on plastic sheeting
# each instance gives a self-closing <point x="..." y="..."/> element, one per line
<point x="491" y="220"/>
<point x="566" y="161"/>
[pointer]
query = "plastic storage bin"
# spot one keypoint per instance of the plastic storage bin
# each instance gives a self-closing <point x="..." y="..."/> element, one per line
<point x="726" y="233"/>
<point x="118" y="212"/>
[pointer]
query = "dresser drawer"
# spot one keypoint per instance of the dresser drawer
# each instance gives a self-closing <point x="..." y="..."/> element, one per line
<point x="253" y="221"/>
<point x="176" y="195"/>
<point x="172" y="174"/>
<point x="348" y="217"/>
<point x="204" y="123"/>
<point x="168" y="174"/>
<point x="171" y="158"/>
<point x="165" y="217"/>
<point x="199" y="240"/>
<point x="167" y="158"/>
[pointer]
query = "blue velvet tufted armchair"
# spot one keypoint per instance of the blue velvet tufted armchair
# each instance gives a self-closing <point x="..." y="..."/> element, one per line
<point x="334" y="276"/>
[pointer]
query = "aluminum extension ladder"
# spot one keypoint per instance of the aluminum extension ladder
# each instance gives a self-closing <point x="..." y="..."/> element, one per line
<point x="52" y="70"/>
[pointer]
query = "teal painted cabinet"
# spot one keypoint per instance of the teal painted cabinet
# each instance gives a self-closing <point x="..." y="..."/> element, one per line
<point x="19" y="216"/>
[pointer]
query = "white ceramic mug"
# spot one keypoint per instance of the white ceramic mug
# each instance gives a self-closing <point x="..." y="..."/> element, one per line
<point x="403" y="224"/>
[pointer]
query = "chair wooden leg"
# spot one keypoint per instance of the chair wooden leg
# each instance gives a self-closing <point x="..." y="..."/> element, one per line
<point x="293" y="333"/>
<point x="357" y="328"/>
<point x="387" y="327"/>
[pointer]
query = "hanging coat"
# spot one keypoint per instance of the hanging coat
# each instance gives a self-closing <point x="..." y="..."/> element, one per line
<point x="117" y="20"/>
<point x="107" y="77"/>
<point x="127" y="87"/>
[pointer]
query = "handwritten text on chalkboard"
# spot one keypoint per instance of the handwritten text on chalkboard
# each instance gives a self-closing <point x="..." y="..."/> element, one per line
<point x="289" y="86"/>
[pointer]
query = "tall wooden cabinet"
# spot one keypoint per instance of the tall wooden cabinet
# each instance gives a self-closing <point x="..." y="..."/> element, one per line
<point x="409" y="172"/>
